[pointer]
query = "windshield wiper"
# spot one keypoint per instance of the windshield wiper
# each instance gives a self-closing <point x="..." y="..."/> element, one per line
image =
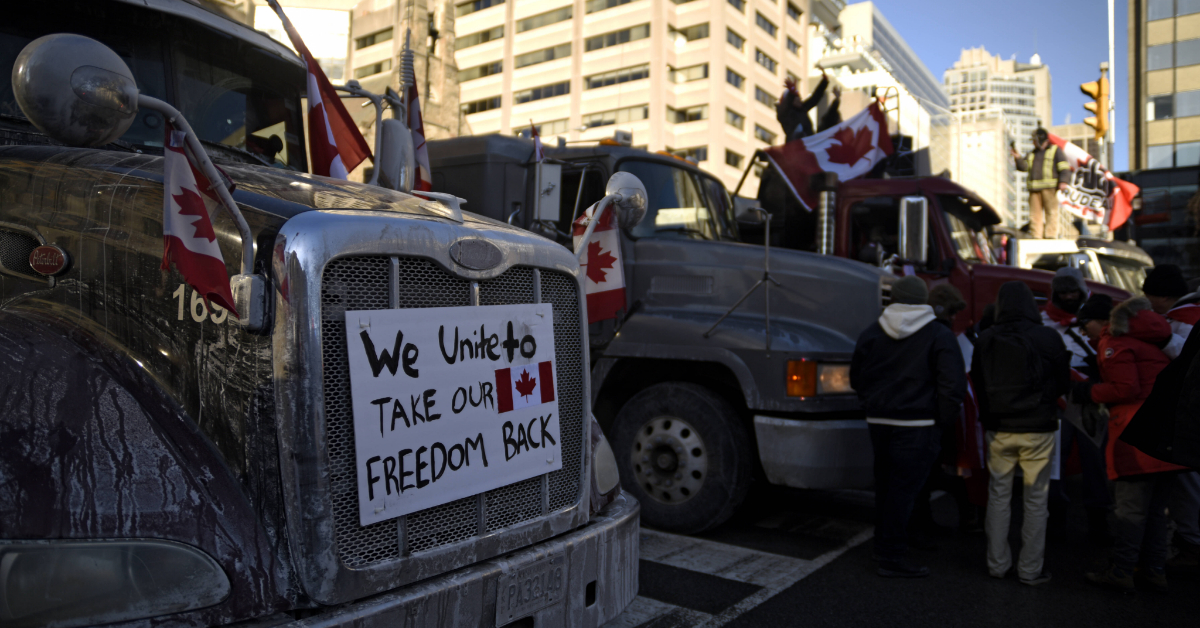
<point x="219" y="147"/>
<point x="684" y="230"/>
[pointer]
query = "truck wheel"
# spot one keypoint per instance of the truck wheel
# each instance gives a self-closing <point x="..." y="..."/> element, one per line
<point x="684" y="453"/>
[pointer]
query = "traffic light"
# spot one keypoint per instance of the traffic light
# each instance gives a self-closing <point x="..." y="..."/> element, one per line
<point x="1098" y="90"/>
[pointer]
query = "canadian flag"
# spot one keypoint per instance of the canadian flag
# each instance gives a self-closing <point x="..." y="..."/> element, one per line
<point x="188" y="237"/>
<point x="539" y="153"/>
<point x="1121" y="194"/>
<point x="335" y="142"/>
<point x="849" y="149"/>
<point x="601" y="261"/>
<point x="424" y="178"/>
<point x="524" y="386"/>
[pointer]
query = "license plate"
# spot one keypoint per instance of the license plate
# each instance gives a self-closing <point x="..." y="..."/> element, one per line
<point x="530" y="589"/>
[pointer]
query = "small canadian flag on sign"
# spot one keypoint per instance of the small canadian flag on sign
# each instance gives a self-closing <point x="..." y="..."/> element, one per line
<point x="524" y="386"/>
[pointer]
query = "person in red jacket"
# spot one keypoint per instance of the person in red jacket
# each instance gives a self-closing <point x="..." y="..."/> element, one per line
<point x="1130" y="360"/>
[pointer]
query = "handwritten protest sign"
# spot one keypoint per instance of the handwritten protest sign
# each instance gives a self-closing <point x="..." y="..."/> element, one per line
<point x="450" y="402"/>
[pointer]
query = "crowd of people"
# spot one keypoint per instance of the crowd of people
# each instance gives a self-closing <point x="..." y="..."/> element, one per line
<point x="1109" y="386"/>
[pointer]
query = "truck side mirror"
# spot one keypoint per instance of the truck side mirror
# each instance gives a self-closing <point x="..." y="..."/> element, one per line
<point x="75" y="89"/>
<point x="548" y="192"/>
<point x="396" y="157"/>
<point x="914" y="229"/>
<point x="631" y="207"/>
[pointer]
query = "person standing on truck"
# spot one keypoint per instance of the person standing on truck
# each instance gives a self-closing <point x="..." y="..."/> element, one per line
<point x="1020" y="368"/>
<point x="909" y="375"/>
<point x="1130" y="361"/>
<point x="1048" y="172"/>
<point x="793" y="113"/>
<point x="1067" y="294"/>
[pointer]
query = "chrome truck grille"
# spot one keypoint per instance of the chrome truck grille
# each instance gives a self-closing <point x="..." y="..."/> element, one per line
<point x="382" y="282"/>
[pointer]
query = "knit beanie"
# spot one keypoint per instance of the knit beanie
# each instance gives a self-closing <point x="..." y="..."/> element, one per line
<point x="1166" y="280"/>
<point x="1068" y="279"/>
<point x="1097" y="308"/>
<point x="910" y="290"/>
<point x="946" y="300"/>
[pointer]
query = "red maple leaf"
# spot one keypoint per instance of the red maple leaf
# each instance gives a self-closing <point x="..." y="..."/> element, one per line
<point x="598" y="262"/>
<point x="526" y="384"/>
<point x="190" y="204"/>
<point x="852" y="148"/>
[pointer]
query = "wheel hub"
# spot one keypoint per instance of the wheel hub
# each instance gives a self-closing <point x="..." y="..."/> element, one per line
<point x="670" y="459"/>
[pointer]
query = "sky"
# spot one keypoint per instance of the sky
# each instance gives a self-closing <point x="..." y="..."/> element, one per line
<point x="1070" y="35"/>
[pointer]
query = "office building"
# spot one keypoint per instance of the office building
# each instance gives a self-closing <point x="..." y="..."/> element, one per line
<point x="1082" y="136"/>
<point x="1164" y="84"/>
<point x="697" y="78"/>
<point x="979" y="81"/>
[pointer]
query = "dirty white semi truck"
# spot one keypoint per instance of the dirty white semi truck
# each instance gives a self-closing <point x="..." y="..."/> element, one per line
<point x="704" y="380"/>
<point x="167" y="462"/>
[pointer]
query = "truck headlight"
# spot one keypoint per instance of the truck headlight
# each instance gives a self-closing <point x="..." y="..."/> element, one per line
<point x="75" y="583"/>
<point x="833" y="379"/>
<point x="806" y="378"/>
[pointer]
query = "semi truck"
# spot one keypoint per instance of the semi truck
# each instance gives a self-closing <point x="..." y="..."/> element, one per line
<point x="166" y="461"/>
<point x="731" y="360"/>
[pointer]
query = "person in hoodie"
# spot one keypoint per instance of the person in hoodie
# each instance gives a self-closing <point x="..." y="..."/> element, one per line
<point x="1130" y="361"/>
<point x="908" y="372"/>
<point x="1019" y="369"/>
<point x="1068" y="291"/>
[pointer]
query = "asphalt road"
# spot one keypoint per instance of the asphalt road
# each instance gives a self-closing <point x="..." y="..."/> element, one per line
<point x="803" y="558"/>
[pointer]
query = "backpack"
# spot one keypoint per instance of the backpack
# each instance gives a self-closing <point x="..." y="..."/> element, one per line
<point x="1012" y="372"/>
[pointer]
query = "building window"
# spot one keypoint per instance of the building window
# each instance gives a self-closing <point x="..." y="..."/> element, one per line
<point x="691" y="33"/>
<point x="593" y="6"/>
<point x="735" y="40"/>
<point x="1187" y="155"/>
<point x="1188" y="7"/>
<point x="545" y="19"/>
<point x="1160" y="108"/>
<point x="616" y="38"/>
<point x="541" y="56"/>
<point x="616" y="77"/>
<point x="546" y="129"/>
<point x="690" y="114"/>
<point x="740" y="5"/>
<point x="1161" y="156"/>
<point x="793" y="46"/>
<point x="764" y="60"/>
<point x="690" y="73"/>
<point x="765" y="24"/>
<point x="372" y="39"/>
<point x="480" y="71"/>
<point x="467" y="8"/>
<point x="1160" y="9"/>
<point x="764" y="97"/>
<point x="735" y="119"/>
<point x="695" y="154"/>
<point x="1187" y="52"/>
<point x="763" y="134"/>
<point x="482" y="37"/>
<point x="733" y="159"/>
<point x="734" y="79"/>
<point x="543" y="92"/>
<point x="477" y="106"/>
<point x="794" y="12"/>
<point x="374" y="68"/>
<point x="1159" y="57"/>
<point x="1187" y="104"/>
<point x="616" y="116"/>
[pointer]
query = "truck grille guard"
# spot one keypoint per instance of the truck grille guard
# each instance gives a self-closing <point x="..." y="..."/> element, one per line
<point x="338" y="558"/>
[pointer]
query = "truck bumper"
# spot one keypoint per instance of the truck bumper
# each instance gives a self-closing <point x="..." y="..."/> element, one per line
<point x="815" y="454"/>
<point x="600" y="568"/>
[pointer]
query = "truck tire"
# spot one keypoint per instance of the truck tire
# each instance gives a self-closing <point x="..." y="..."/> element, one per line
<point x="684" y="453"/>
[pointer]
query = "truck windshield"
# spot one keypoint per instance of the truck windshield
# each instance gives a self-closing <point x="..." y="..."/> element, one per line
<point x="231" y="91"/>
<point x="682" y="204"/>
<point x="966" y="230"/>
<point x="1125" y="274"/>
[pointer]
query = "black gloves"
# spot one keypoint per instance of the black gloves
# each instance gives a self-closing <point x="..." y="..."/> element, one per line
<point x="1081" y="392"/>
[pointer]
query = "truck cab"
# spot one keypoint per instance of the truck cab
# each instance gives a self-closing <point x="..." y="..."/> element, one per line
<point x="1113" y="262"/>
<point x="165" y="464"/>
<point x="950" y="245"/>
<point x="704" y="379"/>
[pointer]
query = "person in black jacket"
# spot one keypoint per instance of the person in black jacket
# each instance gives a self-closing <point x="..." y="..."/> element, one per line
<point x="909" y="374"/>
<point x="1020" y="368"/>
<point x="792" y="112"/>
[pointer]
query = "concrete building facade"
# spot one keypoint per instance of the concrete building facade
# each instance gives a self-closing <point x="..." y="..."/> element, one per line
<point x="1082" y="136"/>
<point x="979" y="81"/>
<point x="1164" y="84"/>
<point x="697" y="78"/>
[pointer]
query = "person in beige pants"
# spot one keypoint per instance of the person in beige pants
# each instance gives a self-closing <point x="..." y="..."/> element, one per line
<point x="1049" y="172"/>
<point x="1020" y="368"/>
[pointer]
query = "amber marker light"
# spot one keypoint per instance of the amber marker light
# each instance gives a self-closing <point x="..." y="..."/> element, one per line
<point x="801" y="378"/>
